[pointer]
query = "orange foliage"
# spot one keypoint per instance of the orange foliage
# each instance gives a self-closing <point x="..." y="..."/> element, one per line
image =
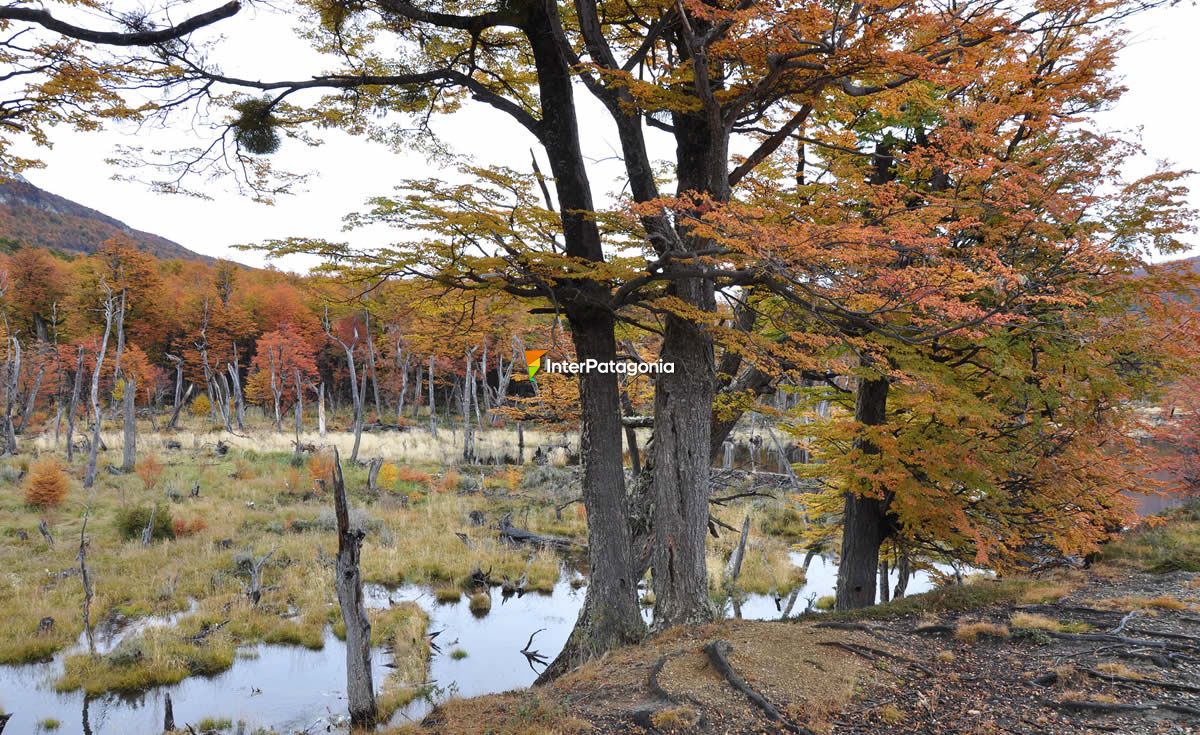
<point x="47" y="485"/>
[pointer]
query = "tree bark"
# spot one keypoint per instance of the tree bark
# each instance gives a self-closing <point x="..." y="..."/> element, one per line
<point x="321" y="409"/>
<point x="360" y="688"/>
<point x="865" y="524"/>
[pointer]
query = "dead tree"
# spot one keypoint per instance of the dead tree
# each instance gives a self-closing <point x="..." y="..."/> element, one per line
<point x="355" y="394"/>
<point x="298" y="406"/>
<point x="360" y="689"/>
<point x="371" y="366"/>
<point x="239" y="401"/>
<point x="76" y="387"/>
<point x="402" y="360"/>
<point x="11" y="386"/>
<point x="468" y="391"/>
<point x="321" y="409"/>
<point x="128" y="394"/>
<point x="217" y="405"/>
<point x="31" y="402"/>
<point x="254" y="592"/>
<point x="86" y="579"/>
<point x="275" y="363"/>
<point x="432" y="408"/>
<point x="44" y="529"/>
<point x="180" y="399"/>
<point x="110" y="305"/>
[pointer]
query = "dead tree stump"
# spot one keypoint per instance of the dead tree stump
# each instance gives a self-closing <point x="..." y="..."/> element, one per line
<point x="360" y="689"/>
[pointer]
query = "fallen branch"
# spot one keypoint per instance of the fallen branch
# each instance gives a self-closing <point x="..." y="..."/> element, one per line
<point x="718" y="654"/>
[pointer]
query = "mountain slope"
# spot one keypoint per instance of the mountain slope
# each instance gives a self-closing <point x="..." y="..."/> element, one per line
<point x="30" y="216"/>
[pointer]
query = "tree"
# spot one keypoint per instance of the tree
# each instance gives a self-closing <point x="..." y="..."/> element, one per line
<point x="695" y="71"/>
<point x="278" y="355"/>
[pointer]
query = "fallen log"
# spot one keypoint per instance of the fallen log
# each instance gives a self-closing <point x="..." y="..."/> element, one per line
<point x="509" y="532"/>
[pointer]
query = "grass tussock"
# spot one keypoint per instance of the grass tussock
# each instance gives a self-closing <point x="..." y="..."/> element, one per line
<point x="517" y="713"/>
<point x="972" y="632"/>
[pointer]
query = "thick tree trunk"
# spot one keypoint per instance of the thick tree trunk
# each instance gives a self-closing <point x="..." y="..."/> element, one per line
<point x="865" y="524"/>
<point x="610" y="615"/>
<point x="360" y="688"/>
<point x="681" y="468"/>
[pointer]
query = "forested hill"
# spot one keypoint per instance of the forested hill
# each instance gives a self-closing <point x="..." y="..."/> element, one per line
<point x="30" y="216"/>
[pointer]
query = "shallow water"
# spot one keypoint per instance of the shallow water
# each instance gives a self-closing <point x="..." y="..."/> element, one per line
<point x="291" y="689"/>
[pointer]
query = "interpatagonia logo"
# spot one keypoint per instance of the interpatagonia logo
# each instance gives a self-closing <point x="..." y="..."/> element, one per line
<point x="534" y="363"/>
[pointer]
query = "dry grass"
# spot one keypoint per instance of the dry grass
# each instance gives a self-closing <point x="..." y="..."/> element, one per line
<point x="971" y="632"/>
<point x="1131" y="603"/>
<point x="1113" y="668"/>
<point x="1029" y="621"/>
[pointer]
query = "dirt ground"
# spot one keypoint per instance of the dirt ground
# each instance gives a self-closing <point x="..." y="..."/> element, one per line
<point x="1113" y="650"/>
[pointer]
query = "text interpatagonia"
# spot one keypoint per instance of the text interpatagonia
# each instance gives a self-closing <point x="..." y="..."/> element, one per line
<point x="620" y="367"/>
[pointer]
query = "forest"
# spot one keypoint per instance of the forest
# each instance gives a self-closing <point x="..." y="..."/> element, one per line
<point x="927" y="443"/>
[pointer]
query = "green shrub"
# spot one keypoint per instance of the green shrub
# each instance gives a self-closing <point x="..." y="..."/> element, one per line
<point x="132" y="521"/>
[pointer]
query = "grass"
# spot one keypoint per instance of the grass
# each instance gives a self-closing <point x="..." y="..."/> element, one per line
<point x="1028" y="621"/>
<point x="252" y="502"/>
<point x="971" y="632"/>
<point x="214" y="725"/>
<point x="49" y="724"/>
<point x="458" y="654"/>
<point x="972" y="595"/>
<point x="1162" y="545"/>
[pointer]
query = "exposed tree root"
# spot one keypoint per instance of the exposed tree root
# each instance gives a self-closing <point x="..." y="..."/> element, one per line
<point x="1080" y="705"/>
<point x="718" y="654"/>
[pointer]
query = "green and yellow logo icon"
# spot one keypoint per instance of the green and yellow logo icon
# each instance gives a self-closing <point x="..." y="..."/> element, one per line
<point x="533" y="362"/>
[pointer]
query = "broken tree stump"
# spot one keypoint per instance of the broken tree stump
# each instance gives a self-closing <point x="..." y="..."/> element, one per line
<point x="360" y="689"/>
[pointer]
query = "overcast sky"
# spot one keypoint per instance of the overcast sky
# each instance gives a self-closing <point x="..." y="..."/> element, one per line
<point x="346" y="171"/>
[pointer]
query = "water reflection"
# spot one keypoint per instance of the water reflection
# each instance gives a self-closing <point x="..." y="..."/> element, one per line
<point x="290" y="689"/>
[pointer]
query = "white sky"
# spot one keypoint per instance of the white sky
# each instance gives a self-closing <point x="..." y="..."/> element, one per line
<point x="347" y="171"/>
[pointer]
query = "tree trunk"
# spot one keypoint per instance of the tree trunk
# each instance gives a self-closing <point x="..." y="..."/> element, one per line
<point x="299" y="406"/>
<point x="129" y="422"/>
<point x="179" y="397"/>
<point x="682" y="467"/>
<point x="467" y="390"/>
<point x="89" y="477"/>
<point x="610" y="615"/>
<point x="77" y="385"/>
<point x="371" y="368"/>
<point x="865" y="523"/>
<point x="432" y="408"/>
<point x="360" y="689"/>
<point x="321" y="409"/>
<point x="12" y="381"/>
<point x="31" y="403"/>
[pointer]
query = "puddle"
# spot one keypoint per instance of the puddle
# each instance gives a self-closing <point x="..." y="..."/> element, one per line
<point x="291" y="689"/>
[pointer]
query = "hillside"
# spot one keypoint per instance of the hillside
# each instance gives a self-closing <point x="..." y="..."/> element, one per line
<point x="30" y="216"/>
